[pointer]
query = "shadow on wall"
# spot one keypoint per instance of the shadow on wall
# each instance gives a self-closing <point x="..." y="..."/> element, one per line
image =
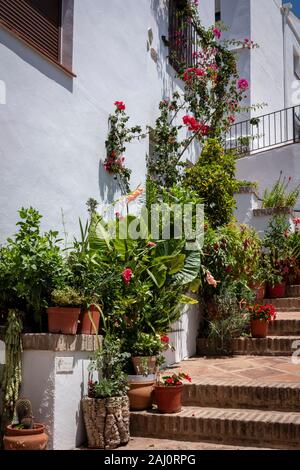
<point x="35" y="60"/>
<point x="108" y="186"/>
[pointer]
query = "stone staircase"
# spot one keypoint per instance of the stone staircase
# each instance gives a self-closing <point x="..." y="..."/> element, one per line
<point x="249" y="400"/>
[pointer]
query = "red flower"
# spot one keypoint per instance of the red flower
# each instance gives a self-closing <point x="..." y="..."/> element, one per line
<point x="151" y="244"/>
<point x="127" y="275"/>
<point x="193" y="72"/>
<point x="120" y="105"/>
<point x="217" y="33"/>
<point x="178" y="383"/>
<point x="165" y="339"/>
<point x="188" y="378"/>
<point x="169" y="381"/>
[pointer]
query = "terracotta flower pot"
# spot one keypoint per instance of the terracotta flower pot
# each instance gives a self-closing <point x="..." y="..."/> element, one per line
<point x="25" y="439"/>
<point x="141" y="392"/>
<point x="63" y="320"/>
<point x="259" y="292"/>
<point x="259" y="328"/>
<point x="278" y="291"/>
<point x="145" y="365"/>
<point x="85" y="326"/>
<point x="168" y="399"/>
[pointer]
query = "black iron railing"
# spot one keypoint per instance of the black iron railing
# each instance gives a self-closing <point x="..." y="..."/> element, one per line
<point x="261" y="133"/>
<point x="183" y="38"/>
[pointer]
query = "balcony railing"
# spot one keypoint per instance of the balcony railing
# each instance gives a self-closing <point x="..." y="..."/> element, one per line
<point x="264" y="132"/>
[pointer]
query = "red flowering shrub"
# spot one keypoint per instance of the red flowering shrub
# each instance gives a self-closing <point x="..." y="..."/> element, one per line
<point x="127" y="275"/>
<point x="262" y="312"/>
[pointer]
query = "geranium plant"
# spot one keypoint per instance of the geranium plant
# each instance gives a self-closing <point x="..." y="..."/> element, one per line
<point x="174" y="379"/>
<point x="262" y="312"/>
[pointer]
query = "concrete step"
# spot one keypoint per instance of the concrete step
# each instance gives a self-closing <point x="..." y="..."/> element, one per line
<point x="270" y="346"/>
<point x="293" y="291"/>
<point x="286" y="304"/>
<point x="286" y="324"/>
<point x="243" y="393"/>
<point x="274" y="429"/>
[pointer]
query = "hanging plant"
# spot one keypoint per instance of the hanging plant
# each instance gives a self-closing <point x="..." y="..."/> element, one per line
<point x="118" y="136"/>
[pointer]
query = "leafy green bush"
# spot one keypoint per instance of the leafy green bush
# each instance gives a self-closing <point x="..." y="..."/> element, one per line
<point x="213" y="179"/>
<point x="108" y="363"/>
<point x="145" y="345"/>
<point x="66" y="297"/>
<point x="279" y="197"/>
<point x="31" y="266"/>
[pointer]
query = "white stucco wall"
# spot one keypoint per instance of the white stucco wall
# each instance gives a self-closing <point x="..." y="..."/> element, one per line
<point x="264" y="168"/>
<point x="53" y="128"/>
<point x="56" y="396"/>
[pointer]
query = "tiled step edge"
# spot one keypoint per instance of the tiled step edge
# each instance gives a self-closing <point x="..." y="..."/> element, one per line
<point x="241" y="393"/>
<point x="270" y="346"/>
<point x="230" y="426"/>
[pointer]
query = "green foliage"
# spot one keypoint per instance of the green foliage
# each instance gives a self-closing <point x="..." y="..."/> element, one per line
<point x="109" y="363"/>
<point x="31" y="266"/>
<point x="145" y="345"/>
<point x="66" y="297"/>
<point x="279" y="196"/>
<point x="213" y="179"/>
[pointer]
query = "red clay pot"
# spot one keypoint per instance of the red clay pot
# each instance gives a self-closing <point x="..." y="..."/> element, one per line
<point x="168" y="399"/>
<point x="259" y="291"/>
<point x="259" y="328"/>
<point x="85" y="325"/>
<point x="278" y="291"/>
<point x="63" y="320"/>
<point x="144" y="365"/>
<point x="25" y="439"/>
<point x="141" y="395"/>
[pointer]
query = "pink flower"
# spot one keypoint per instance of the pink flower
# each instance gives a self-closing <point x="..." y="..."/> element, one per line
<point x="231" y="119"/>
<point x="217" y="33"/>
<point x="120" y="105"/>
<point x="243" y="84"/>
<point x="151" y="244"/>
<point x="211" y="280"/>
<point x="127" y="275"/>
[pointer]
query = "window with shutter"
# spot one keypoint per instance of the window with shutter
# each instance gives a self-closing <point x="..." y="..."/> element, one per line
<point x="36" y="21"/>
<point x="182" y="37"/>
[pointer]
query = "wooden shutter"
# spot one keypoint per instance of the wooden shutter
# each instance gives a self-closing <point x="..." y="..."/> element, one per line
<point x="36" y="21"/>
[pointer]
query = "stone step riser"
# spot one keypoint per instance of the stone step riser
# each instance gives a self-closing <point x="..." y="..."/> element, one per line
<point x="284" y="328"/>
<point x="288" y="304"/>
<point x="264" y="396"/>
<point x="218" y="428"/>
<point x="293" y="291"/>
<point x="270" y="346"/>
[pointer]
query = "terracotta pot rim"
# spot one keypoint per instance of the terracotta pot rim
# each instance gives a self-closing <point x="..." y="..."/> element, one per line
<point x="143" y="357"/>
<point x="12" y="431"/>
<point x="67" y="309"/>
<point x="142" y="384"/>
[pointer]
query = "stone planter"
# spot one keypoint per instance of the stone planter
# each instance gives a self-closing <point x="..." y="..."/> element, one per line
<point x="25" y="439"/>
<point x="141" y="391"/>
<point x="106" y="421"/>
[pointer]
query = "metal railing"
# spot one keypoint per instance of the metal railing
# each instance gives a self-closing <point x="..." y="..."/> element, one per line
<point x="264" y="132"/>
<point x="183" y="37"/>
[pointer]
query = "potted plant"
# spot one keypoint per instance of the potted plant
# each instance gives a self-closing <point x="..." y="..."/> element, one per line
<point x="168" y="392"/>
<point x="260" y="316"/>
<point x="25" y="434"/>
<point x="146" y="359"/>
<point x="258" y="284"/>
<point x="89" y="320"/>
<point x="63" y="316"/>
<point x="276" y="285"/>
<point x="145" y="351"/>
<point x="106" y="408"/>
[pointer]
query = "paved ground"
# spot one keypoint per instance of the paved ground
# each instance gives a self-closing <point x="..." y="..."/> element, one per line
<point x="270" y="369"/>
<point x="140" y="443"/>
